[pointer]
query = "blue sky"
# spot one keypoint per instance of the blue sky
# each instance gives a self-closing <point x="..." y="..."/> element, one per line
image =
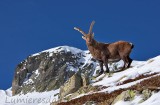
<point x="30" y="26"/>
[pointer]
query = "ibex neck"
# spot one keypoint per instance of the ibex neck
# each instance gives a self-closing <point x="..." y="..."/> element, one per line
<point x="93" y="44"/>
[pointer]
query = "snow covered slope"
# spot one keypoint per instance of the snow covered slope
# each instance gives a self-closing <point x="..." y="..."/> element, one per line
<point x="75" y="59"/>
<point x="34" y="98"/>
<point x="139" y="68"/>
<point x="139" y="72"/>
<point x="153" y="100"/>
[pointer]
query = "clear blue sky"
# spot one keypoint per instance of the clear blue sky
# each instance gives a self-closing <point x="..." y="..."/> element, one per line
<point x="30" y="26"/>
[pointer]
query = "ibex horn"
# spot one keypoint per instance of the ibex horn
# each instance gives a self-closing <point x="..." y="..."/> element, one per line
<point x="78" y="29"/>
<point x="91" y="26"/>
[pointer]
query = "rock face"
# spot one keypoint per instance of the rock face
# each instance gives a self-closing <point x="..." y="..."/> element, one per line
<point x="76" y="83"/>
<point x="72" y="85"/>
<point x="125" y="96"/>
<point x="130" y="95"/>
<point x="50" y="69"/>
<point x="146" y="94"/>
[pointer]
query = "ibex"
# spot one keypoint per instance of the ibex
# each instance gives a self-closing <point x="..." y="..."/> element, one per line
<point x="107" y="52"/>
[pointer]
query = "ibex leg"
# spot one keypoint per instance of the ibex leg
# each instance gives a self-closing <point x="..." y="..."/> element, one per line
<point x="101" y="67"/>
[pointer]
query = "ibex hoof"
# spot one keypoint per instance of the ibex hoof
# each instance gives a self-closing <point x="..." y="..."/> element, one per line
<point x="101" y="72"/>
<point x="107" y="71"/>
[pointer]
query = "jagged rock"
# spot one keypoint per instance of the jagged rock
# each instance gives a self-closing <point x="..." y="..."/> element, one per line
<point x="146" y="94"/>
<point x="125" y="96"/>
<point x="72" y="85"/>
<point x="85" y="80"/>
<point x="50" y="69"/>
<point x="80" y="91"/>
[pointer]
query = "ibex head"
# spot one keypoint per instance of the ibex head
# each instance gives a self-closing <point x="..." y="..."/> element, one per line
<point x="87" y="37"/>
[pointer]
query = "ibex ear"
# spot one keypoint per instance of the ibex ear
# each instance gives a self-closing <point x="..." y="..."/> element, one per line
<point x="83" y="37"/>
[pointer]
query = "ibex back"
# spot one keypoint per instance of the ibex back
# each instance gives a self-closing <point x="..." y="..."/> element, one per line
<point x="104" y="52"/>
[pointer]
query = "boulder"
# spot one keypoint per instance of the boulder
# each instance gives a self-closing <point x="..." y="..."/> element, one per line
<point x="146" y="94"/>
<point x="85" y="80"/>
<point x="80" y="91"/>
<point x="125" y="96"/>
<point x="71" y="86"/>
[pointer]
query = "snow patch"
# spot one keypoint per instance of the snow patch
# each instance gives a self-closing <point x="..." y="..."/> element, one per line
<point x="131" y="73"/>
<point x="73" y="50"/>
<point x="34" y="98"/>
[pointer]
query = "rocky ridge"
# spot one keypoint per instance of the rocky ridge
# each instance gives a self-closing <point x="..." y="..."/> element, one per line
<point x="50" y="69"/>
<point x="72" y="73"/>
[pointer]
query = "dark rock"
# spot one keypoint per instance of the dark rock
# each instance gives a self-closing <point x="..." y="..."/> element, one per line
<point x="49" y="70"/>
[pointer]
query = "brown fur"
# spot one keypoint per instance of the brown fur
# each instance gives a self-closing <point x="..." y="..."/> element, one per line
<point x="106" y="52"/>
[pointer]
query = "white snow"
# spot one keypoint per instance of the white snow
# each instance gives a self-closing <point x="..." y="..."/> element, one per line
<point x="113" y="88"/>
<point x="85" y="56"/>
<point x="153" y="100"/>
<point x="27" y="80"/>
<point x="122" y="103"/>
<point x="45" y="98"/>
<point x="34" y="98"/>
<point x="37" y="73"/>
<point x="71" y="68"/>
<point x="139" y="68"/>
<point x="73" y="50"/>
